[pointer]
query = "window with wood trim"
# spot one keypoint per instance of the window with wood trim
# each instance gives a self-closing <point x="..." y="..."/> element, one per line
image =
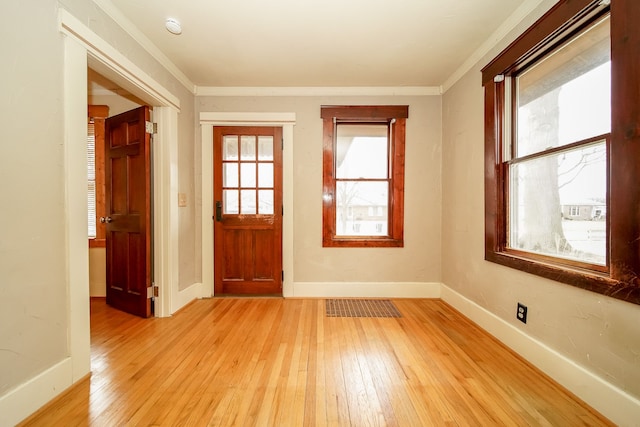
<point x="95" y="174"/>
<point x="562" y="113"/>
<point x="363" y="175"/>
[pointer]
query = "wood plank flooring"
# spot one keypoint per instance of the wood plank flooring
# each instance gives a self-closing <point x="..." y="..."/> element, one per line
<point x="276" y="362"/>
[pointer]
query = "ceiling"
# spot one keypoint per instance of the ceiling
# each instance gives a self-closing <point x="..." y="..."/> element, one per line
<point x="313" y="43"/>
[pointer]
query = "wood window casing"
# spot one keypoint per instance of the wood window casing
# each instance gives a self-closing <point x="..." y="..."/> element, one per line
<point x="98" y="114"/>
<point x="621" y="277"/>
<point x="393" y="115"/>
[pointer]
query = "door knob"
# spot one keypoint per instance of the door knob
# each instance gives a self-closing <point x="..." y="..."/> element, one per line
<point x="105" y="219"/>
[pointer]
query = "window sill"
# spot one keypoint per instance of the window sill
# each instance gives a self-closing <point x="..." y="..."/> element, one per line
<point x="97" y="243"/>
<point x="589" y="280"/>
<point x="358" y="242"/>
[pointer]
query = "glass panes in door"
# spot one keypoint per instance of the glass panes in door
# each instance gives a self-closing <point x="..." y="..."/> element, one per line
<point x="248" y="175"/>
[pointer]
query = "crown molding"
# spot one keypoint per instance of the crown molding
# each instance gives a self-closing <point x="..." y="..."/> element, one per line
<point x="319" y="91"/>
<point x="494" y="39"/>
<point x="118" y="17"/>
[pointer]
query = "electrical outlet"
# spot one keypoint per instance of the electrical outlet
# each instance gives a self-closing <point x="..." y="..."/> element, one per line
<point x="521" y="314"/>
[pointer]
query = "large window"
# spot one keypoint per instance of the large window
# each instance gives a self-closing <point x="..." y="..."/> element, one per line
<point x="561" y="192"/>
<point x="363" y="175"/>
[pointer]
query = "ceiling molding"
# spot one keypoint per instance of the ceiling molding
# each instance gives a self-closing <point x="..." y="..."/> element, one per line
<point x="114" y="13"/>
<point x="319" y="91"/>
<point x="498" y="35"/>
<point x="112" y="64"/>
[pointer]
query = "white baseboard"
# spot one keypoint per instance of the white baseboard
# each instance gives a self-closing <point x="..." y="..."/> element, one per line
<point x="185" y="296"/>
<point x="612" y="402"/>
<point x="366" y="289"/>
<point x="24" y="400"/>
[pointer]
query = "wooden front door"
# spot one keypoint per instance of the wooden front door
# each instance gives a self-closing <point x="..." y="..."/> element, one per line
<point x="128" y="211"/>
<point x="247" y="192"/>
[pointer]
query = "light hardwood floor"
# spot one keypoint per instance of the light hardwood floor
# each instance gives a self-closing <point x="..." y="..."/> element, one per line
<point x="276" y="362"/>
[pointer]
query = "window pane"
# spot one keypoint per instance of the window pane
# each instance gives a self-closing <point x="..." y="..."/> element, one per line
<point x="248" y="201"/>
<point x="265" y="175"/>
<point x="91" y="174"/>
<point x="230" y="147"/>
<point x="248" y="175"/>
<point x="558" y="205"/>
<point x="230" y="202"/>
<point x="566" y="97"/>
<point x="362" y="151"/>
<point x="357" y="205"/>
<point x="248" y="147"/>
<point x="91" y="211"/>
<point x="229" y="174"/>
<point x="265" y="147"/>
<point x="265" y="202"/>
<point x="91" y="151"/>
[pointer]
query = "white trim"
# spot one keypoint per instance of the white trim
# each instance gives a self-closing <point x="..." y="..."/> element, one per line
<point x="24" y="400"/>
<point x="509" y="24"/>
<point x="247" y="119"/>
<point x="366" y="289"/>
<point x="119" y="18"/>
<point x="287" y="205"/>
<point x="75" y="223"/>
<point x="207" y="208"/>
<point x="187" y="295"/>
<point x="165" y="210"/>
<point x="207" y="121"/>
<point x="319" y="91"/>
<point x="132" y="77"/>
<point x="610" y="401"/>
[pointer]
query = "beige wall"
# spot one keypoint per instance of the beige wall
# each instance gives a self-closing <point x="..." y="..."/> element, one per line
<point x="419" y="260"/>
<point x="33" y="298"/>
<point x="599" y="333"/>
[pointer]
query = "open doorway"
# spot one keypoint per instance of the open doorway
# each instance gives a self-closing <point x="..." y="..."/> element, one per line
<point x="105" y="99"/>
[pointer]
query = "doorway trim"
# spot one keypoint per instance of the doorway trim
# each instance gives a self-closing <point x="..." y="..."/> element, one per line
<point x="82" y="49"/>
<point x="207" y="121"/>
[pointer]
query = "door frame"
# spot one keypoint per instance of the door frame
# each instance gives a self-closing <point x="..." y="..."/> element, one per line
<point x="82" y="49"/>
<point x="284" y="120"/>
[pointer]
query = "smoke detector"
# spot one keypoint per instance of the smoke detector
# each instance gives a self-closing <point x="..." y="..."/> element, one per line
<point x="173" y="26"/>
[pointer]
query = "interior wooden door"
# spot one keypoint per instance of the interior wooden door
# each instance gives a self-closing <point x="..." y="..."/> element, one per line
<point x="248" y="210"/>
<point x="128" y="212"/>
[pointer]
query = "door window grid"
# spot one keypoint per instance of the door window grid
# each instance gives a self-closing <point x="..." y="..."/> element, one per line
<point x="248" y="175"/>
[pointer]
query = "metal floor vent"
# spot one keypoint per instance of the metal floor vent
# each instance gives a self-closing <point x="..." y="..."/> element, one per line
<point x="361" y="308"/>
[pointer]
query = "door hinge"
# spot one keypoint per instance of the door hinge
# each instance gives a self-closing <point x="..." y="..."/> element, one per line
<point x="283" y="275"/>
<point x="282" y="144"/>
<point x="153" y="292"/>
<point x="151" y="128"/>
